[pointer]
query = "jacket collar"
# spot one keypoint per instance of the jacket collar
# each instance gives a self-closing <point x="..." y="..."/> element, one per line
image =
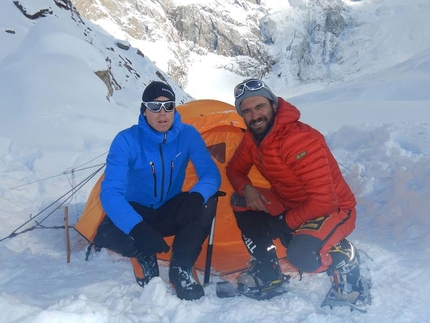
<point x="160" y="137"/>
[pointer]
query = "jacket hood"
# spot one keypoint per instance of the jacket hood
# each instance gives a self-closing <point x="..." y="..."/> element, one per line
<point x="287" y="113"/>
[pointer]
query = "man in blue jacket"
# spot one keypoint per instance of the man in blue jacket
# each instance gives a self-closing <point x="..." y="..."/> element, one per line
<point x="141" y="193"/>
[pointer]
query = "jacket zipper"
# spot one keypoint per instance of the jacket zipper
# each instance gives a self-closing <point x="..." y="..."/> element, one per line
<point x="163" y="171"/>
<point x="172" y="168"/>
<point x="163" y="166"/>
<point x="154" y="176"/>
<point x="171" y="175"/>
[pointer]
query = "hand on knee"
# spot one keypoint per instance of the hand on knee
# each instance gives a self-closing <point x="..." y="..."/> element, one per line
<point x="148" y="240"/>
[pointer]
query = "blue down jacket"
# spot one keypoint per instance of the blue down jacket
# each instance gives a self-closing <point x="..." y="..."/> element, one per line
<point x="148" y="167"/>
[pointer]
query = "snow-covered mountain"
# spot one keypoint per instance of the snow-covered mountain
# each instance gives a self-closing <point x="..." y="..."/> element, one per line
<point x="54" y="30"/>
<point x="289" y="43"/>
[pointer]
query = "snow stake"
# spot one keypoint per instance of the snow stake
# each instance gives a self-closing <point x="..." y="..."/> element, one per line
<point x="66" y="227"/>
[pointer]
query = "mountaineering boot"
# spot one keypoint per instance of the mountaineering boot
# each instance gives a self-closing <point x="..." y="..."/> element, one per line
<point x="145" y="268"/>
<point x="345" y="271"/>
<point x="184" y="281"/>
<point x="261" y="275"/>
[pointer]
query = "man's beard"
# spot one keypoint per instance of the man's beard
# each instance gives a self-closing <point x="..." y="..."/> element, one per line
<point x="260" y="133"/>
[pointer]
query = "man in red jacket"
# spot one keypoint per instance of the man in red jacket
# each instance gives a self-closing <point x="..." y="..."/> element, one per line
<point x="309" y="205"/>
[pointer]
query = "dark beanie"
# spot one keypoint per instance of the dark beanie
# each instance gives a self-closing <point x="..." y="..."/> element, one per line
<point x="156" y="89"/>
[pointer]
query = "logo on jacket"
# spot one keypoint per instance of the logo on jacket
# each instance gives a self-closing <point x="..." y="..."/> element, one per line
<point x="314" y="224"/>
<point x="301" y="155"/>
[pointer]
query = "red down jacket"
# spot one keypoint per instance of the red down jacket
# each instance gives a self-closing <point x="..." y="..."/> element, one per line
<point x="299" y="166"/>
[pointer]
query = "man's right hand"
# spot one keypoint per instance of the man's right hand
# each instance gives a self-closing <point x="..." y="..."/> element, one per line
<point x="255" y="199"/>
<point x="148" y="240"/>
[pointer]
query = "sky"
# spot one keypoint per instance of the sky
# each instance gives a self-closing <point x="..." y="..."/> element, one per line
<point x="56" y="125"/>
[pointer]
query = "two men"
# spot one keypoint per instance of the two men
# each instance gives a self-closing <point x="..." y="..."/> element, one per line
<point x="309" y="206"/>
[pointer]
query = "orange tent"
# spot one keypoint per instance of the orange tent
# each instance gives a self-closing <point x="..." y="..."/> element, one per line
<point x="222" y="129"/>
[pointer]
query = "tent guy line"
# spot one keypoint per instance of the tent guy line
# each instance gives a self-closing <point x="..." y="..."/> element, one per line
<point x="73" y="191"/>
<point x="66" y="172"/>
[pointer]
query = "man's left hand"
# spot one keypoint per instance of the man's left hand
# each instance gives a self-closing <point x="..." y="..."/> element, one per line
<point x="255" y="199"/>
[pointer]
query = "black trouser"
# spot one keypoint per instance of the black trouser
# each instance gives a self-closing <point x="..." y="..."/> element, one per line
<point x="188" y="240"/>
<point x="254" y="226"/>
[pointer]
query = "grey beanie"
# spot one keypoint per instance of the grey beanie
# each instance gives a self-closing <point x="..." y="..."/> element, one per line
<point x="264" y="92"/>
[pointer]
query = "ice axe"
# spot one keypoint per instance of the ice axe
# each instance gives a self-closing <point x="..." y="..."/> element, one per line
<point x="210" y="245"/>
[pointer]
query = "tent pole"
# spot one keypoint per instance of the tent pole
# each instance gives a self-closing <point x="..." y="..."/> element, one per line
<point x="211" y="244"/>
<point x="66" y="227"/>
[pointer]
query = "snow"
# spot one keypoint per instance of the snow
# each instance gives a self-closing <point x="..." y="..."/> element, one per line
<point x="56" y="126"/>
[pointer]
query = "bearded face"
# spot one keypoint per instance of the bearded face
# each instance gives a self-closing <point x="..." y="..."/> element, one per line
<point x="259" y="116"/>
<point x="261" y="126"/>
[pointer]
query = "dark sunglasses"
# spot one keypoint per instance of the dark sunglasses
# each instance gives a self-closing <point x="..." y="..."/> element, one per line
<point x="251" y="85"/>
<point x="155" y="106"/>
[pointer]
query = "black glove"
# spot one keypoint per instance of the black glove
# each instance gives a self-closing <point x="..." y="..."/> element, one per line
<point x="148" y="240"/>
<point x="280" y="229"/>
<point x="190" y="208"/>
